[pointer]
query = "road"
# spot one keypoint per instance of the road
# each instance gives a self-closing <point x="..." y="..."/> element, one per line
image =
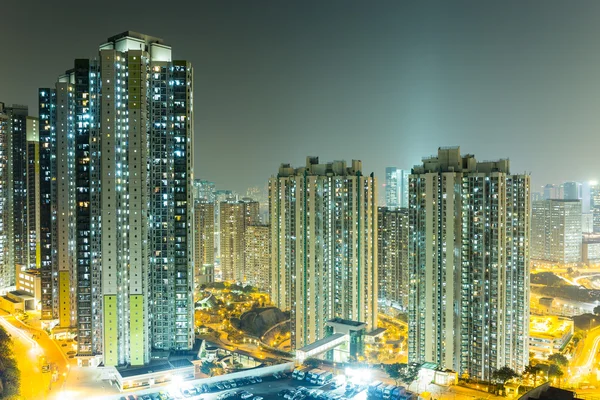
<point x="35" y="385"/>
<point x="582" y="363"/>
<point x="593" y="283"/>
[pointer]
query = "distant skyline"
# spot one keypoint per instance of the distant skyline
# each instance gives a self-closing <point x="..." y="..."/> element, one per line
<point x="386" y="82"/>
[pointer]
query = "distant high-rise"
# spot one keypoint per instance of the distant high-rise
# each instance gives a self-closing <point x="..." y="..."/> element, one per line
<point x="587" y="222"/>
<point x="552" y="191"/>
<point x="468" y="264"/>
<point x="556" y="231"/>
<point x="221" y="196"/>
<point x="235" y="217"/>
<point x="595" y="204"/>
<point x="396" y="187"/>
<point x="115" y="174"/>
<point x="392" y="255"/>
<point x="204" y="243"/>
<point x="572" y="191"/>
<point x="324" y="246"/>
<point x="204" y="190"/>
<point x="257" y="255"/>
<point x="19" y="205"/>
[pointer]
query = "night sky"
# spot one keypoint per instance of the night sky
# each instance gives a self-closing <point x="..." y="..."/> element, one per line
<point x="384" y="82"/>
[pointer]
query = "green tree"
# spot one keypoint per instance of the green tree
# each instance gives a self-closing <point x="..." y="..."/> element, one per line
<point x="207" y="368"/>
<point x="393" y="371"/>
<point x="597" y="310"/>
<point x="556" y="372"/>
<point x="311" y="362"/>
<point x="10" y="376"/>
<point x="558" y="359"/>
<point x="532" y="370"/>
<point x="504" y="374"/>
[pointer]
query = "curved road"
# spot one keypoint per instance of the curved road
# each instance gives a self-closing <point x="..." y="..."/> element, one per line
<point x="583" y="364"/>
<point x="35" y="385"/>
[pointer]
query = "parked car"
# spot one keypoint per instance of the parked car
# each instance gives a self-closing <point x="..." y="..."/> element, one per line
<point x="246" y="395"/>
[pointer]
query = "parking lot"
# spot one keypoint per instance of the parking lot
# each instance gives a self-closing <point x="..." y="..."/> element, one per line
<point x="284" y="388"/>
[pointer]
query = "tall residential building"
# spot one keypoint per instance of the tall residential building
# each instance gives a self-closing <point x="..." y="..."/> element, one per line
<point x="235" y="217"/>
<point x="204" y="243"/>
<point x="392" y="255"/>
<point x="556" y="231"/>
<point x="115" y="174"/>
<point x="257" y="256"/>
<point x="48" y="195"/>
<point x="20" y="237"/>
<point x="572" y="190"/>
<point x="396" y="187"/>
<point x="221" y="196"/>
<point x="204" y="190"/>
<point x="469" y="229"/>
<point x="324" y="246"/>
<point x="6" y="272"/>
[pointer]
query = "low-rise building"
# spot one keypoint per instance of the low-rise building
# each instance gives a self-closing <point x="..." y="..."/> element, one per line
<point x="30" y="281"/>
<point x="549" y="334"/>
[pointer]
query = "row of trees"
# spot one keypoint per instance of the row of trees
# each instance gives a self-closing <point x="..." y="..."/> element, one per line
<point x="10" y="376"/>
<point x="406" y="374"/>
<point x="554" y="369"/>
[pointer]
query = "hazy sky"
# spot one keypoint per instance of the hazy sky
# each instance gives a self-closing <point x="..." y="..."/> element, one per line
<point x="384" y="82"/>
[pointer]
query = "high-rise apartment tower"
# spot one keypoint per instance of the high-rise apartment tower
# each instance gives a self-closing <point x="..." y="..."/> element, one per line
<point x="324" y="246"/>
<point x="116" y="172"/>
<point x="468" y="264"/>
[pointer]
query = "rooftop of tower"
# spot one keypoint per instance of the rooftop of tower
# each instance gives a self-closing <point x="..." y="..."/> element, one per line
<point x="313" y="168"/>
<point x="449" y="159"/>
<point x="147" y="38"/>
<point x="129" y="40"/>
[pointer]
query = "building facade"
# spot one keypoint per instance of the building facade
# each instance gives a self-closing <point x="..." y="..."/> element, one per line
<point x="392" y="255"/>
<point x="396" y="187"/>
<point x="572" y="191"/>
<point x="204" y="190"/>
<point x="47" y="172"/>
<point x="235" y="217"/>
<point x="324" y="246"/>
<point x="204" y="244"/>
<point x="6" y="272"/>
<point x="257" y="256"/>
<point x="116" y="167"/>
<point x="468" y="264"/>
<point x="594" y="188"/>
<point x="19" y="203"/>
<point x="556" y="231"/>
